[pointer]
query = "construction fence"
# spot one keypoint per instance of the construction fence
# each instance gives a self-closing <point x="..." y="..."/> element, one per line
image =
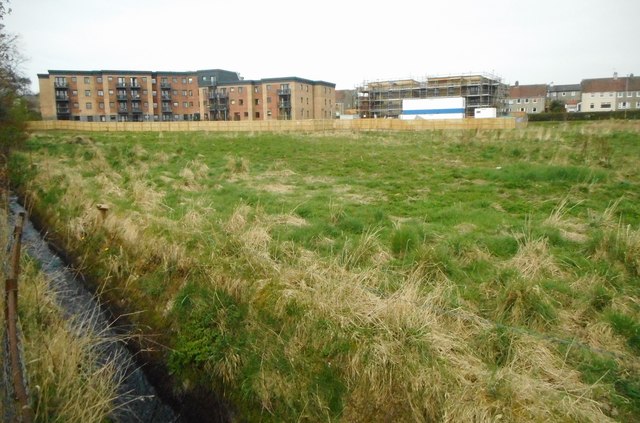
<point x="282" y="125"/>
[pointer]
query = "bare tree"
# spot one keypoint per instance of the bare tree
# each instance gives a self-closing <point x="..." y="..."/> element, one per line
<point x="13" y="85"/>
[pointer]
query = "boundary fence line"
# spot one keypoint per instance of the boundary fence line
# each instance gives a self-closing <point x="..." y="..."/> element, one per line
<point x="18" y="378"/>
<point x="307" y="125"/>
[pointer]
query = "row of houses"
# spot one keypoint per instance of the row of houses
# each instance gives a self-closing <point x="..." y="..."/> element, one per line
<point x="591" y="95"/>
<point x="212" y="94"/>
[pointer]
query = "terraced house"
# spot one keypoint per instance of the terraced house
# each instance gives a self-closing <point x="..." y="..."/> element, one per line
<point x="611" y="94"/>
<point x="213" y="94"/>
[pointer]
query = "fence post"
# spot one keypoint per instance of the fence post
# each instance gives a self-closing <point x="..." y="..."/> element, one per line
<point x="11" y="315"/>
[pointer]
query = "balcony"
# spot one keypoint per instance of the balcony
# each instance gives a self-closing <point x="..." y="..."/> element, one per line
<point x="135" y="98"/>
<point x="218" y="96"/>
<point x="121" y="85"/>
<point x="136" y="86"/>
<point x="166" y="96"/>
<point x="165" y="86"/>
<point x="61" y="84"/>
<point x="284" y="91"/>
<point x="122" y="110"/>
<point x="166" y="109"/>
<point x="62" y="98"/>
<point x="220" y="107"/>
<point x="63" y="111"/>
<point x="122" y="97"/>
<point x="284" y="105"/>
<point x="136" y="110"/>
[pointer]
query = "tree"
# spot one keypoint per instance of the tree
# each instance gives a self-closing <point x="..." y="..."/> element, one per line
<point x="556" y="106"/>
<point x="13" y="85"/>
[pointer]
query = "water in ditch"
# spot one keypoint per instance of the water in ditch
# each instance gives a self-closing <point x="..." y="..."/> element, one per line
<point x="137" y="400"/>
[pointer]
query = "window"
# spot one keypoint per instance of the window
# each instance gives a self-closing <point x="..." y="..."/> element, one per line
<point x="110" y="78"/>
<point x="112" y="104"/>
<point x="233" y="102"/>
<point x="74" y="79"/>
<point x="268" y="87"/>
<point x="629" y="94"/>
<point x="144" y="79"/>
<point x="145" y="92"/>
<point x="535" y="109"/>
<point x="623" y="105"/>
<point x="174" y="79"/>
<point x="99" y="80"/>
<point x="637" y="104"/>
<point x="268" y="113"/>
<point x="526" y="100"/>
<point x="268" y="99"/>
<point x="606" y="105"/>
<point x="256" y="101"/>
<point x="88" y="106"/>
<point x="184" y="80"/>
<point x="175" y="92"/>
<point x="522" y="109"/>
<point x="564" y="94"/>
<point x="518" y="101"/>
<point x="87" y="80"/>
<point x="155" y="105"/>
<point x="176" y="104"/>
<point x="76" y="105"/>
<point x="255" y="89"/>
<point x="591" y="106"/>
<point x="184" y="93"/>
<point x="87" y="93"/>
<point x="101" y="105"/>
<point x="246" y="114"/>
<point x="232" y="89"/>
<point x="620" y="95"/>
<point x="100" y="93"/>
<point x="573" y="93"/>
<point x="257" y="115"/>
<point x="74" y="92"/>
<point x="240" y="102"/>
<point x="190" y="80"/>
<point x="535" y="100"/>
<point x="191" y="104"/>
<point x="185" y="104"/>
<point x="190" y="93"/>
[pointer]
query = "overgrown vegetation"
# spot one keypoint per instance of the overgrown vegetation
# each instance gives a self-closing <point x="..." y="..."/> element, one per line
<point x="434" y="276"/>
<point x="67" y="381"/>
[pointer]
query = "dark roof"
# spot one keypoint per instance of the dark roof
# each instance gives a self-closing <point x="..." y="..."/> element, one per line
<point x="277" y="80"/>
<point x="522" y="91"/>
<point x="600" y="85"/>
<point x="564" y="88"/>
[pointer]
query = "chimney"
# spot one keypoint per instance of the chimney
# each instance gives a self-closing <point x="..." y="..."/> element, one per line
<point x="517" y="83"/>
<point x="615" y="76"/>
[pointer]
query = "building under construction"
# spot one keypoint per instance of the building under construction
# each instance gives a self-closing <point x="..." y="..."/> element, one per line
<point x="383" y="99"/>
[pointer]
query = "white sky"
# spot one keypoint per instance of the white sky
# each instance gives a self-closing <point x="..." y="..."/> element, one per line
<point x="344" y="42"/>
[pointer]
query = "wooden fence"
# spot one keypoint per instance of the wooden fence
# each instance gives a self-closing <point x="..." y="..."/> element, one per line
<point x="281" y="125"/>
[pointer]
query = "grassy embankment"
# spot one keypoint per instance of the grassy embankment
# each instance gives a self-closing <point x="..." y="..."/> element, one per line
<point x="379" y="276"/>
<point x="67" y="381"/>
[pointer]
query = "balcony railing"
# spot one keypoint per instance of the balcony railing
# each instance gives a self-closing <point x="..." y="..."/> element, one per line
<point x="217" y="96"/>
<point x="284" y="105"/>
<point x="121" y="85"/>
<point x="122" y="110"/>
<point x="135" y="86"/>
<point x="165" y="85"/>
<point x="61" y="85"/>
<point x="122" y="97"/>
<point x="136" y="110"/>
<point x="62" y="98"/>
<point x="135" y="98"/>
<point x="166" y="109"/>
<point x="284" y="91"/>
<point x="63" y="111"/>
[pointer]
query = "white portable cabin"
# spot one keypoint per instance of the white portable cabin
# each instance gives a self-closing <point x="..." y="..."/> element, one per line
<point x="485" y="113"/>
<point x="433" y="108"/>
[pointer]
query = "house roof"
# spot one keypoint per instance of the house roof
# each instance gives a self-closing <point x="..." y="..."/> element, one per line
<point x="522" y="91"/>
<point x="564" y="88"/>
<point x="600" y="85"/>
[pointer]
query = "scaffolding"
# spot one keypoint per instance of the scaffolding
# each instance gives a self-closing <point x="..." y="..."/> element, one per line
<point x="383" y="99"/>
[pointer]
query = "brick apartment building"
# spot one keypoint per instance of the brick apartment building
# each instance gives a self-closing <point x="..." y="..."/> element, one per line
<point x="213" y="94"/>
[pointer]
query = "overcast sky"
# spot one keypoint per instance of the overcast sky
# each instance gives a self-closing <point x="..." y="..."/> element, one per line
<point x="344" y="42"/>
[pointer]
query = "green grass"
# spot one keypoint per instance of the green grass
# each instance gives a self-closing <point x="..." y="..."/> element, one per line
<point x="308" y="276"/>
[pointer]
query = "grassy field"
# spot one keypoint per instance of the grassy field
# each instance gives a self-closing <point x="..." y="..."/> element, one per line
<point x="434" y="276"/>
